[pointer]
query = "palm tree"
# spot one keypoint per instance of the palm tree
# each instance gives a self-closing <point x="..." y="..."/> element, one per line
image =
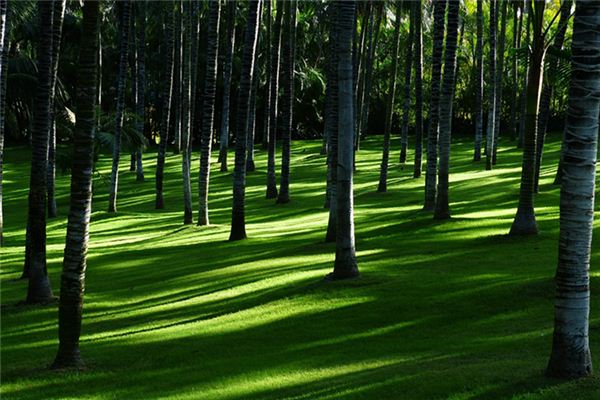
<point x="74" y="264"/>
<point x="442" y="207"/>
<point x="268" y="21"/>
<point x="439" y="13"/>
<point x="527" y="66"/>
<point x="59" y="14"/>
<point x="210" y="88"/>
<point x="123" y="48"/>
<point x="489" y="138"/>
<point x="479" y="84"/>
<point x="39" y="290"/>
<point x="418" y="59"/>
<point x="570" y="357"/>
<point x="227" y="67"/>
<point x="186" y="103"/>
<point x="166" y="111"/>
<point x="273" y="94"/>
<point x="408" y="65"/>
<point x="382" y="187"/>
<point x="3" y="77"/>
<point x="288" y="103"/>
<point x="332" y="124"/>
<point x="141" y="83"/>
<point x="548" y="89"/>
<point x="250" y="167"/>
<point x="345" y="255"/>
<point x="517" y="27"/>
<point x="133" y="62"/>
<point x="498" y="79"/>
<point x="238" y="217"/>
<point x="525" y="223"/>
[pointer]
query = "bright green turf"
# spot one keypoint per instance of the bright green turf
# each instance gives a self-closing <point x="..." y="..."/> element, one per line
<point x="443" y="310"/>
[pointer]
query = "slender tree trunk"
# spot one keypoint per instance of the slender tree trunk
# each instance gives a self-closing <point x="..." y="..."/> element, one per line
<point x="274" y="90"/>
<point x="210" y="89"/>
<point x="332" y="128"/>
<point x="418" y="59"/>
<point x="141" y="83"/>
<point x="503" y="5"/>
<point x="288" y="105"/>
<point x="525" y="223"/>
<point x="178" y="87"/>
<point x="227" y="68"/>
<point x="59" y="14"/>
<point x="408" y="66"/>
<point x="268" y="74"/>
<point x="250" y="167"/>
<point x="523" y="96"/>
<point x="366" y="97"/>
<point x="4" y="30"/>
<point x="133" y="65"/>
<point x="345" y="255"/>
<point x="166" y="111"/>
<point x="186" y="109"/>
<point x="491" y="120"/>
<point x="517" y="25"/>
<point x="442" y="206"/>
<point x="479" y="84"/>
<point x="570" y="357"/>
<point x="434" y="109"/>
<point x="123" y="47"/>
<point x="39" y="290"/>
<point x="74" y="264"/>
<point x="382" y="187"/>
<point x="548" y="89"/>
<point x="238" y="217"/>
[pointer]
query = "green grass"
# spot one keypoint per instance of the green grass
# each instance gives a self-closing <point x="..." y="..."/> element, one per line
<point x="453" y="310"/>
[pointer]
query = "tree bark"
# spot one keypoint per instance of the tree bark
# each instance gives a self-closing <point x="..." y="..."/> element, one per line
<point x="4" y="30"/>
<point x="210" y="88"/>
<point x="227" y="68"/>
<point x="74" y="264"/>
<point x="418" y="59"/>
<point x="479" y="84"/>
<point x="408" y="66"/>
<point x="123" y="49"/>
<point x="491" y="121"/>
<point x="238" y="217"/>
<point x="570" y="357"/>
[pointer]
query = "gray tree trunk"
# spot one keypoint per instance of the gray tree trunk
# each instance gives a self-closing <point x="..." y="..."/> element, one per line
<point x="570" y="357"/>
<point x="479" y="84"/>
<point x="227" y="68"/>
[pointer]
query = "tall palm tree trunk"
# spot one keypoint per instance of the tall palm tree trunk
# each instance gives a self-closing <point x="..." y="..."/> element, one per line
<point x="439" y="13"/>
<point x="123" y="49"/>
<point x="59" y="14"/>
<point x="250" y="167"/>
<point x="389" y="110"/>
<point x="524" y="222"/>
<point x="166" y="110"/>
<point x="4" y="30"/>
<point x="523" y="94"/>
<point x="517" y="25"/>
<point x="548" y="89"/>
<point x="288" y="103"/>
<point x="186" y="110"/>
<point x="408" y="67"/>
<point x="210" y="89"/>
<point x="479" y="84"/>
<point x="268" y="22"/>
<point x="345" y="265"/>
<point x="141" y="83"/>
<point x="332" y="125"/>
<point x="503" y="5"/>
<point x="74" y="264"/>
<point x="227" y="68"/>
<point x="493" y="58"/>
<point x="238" y="215"/>
<point x="418" y="60"/>
<point x="274" y="95"/>
<point x="39" y="290"/>
<point x="570" y="357"/>
<point x="442" y="206"/>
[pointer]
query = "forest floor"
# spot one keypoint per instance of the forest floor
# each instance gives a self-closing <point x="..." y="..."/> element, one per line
<point x="443" y="310"/>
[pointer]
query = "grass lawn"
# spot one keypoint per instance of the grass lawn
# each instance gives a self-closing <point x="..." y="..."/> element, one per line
<point x="443" y="310"/>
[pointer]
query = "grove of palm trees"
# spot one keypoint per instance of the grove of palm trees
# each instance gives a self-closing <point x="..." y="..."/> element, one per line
<point x="294" y="199"/>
